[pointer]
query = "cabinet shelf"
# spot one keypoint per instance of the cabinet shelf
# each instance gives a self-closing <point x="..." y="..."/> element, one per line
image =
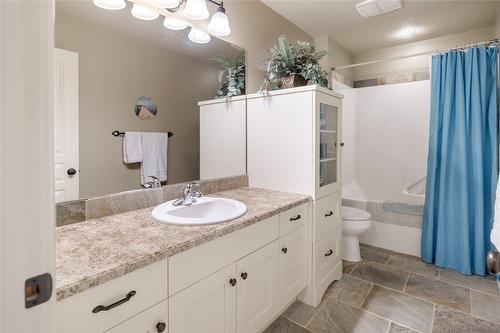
<point x="327" y="159"/>
<point x="327" y="131"/>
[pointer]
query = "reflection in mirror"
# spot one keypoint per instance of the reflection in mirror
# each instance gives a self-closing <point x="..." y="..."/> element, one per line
<point x="115" y="72"/>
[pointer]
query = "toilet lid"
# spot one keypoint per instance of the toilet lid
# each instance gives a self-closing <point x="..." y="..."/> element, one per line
<point x="355" y="214"/>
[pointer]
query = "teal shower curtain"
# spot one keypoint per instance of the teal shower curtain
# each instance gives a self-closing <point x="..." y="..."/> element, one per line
<point x="462" y="163"/>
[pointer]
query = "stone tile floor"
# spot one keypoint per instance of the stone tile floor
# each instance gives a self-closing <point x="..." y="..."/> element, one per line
<point x="390" y="292"/>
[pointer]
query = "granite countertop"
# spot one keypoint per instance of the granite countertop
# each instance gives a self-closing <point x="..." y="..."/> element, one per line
<point x="95" y="251"/>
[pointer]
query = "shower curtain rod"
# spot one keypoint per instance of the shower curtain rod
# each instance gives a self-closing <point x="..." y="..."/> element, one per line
<point x="459" y="47"/>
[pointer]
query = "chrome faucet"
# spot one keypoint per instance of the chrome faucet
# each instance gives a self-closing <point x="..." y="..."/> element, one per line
<point x="190" y="195"/>
<point x="154" y="183"/>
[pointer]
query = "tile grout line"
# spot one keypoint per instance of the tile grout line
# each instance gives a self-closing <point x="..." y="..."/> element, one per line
<point x="299" y="324"/>
<point x="433" y="316"/>
<point x="406" y="283"/>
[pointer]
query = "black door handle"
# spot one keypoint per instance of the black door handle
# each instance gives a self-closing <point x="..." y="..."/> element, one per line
<point x="330" y="213"/>
<point x="329" y="253"/>
<point x="244" y="275"/>
<point x="160" y="327"/>
<point x="71" y="171"/>
<point x="284" y="250"/>
<point x="232" y="282"/>
<point x="295" y="218"/>
<point x="127" y="298"/>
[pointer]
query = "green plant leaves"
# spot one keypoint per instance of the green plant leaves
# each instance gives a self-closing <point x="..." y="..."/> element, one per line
<point x="233" y="84"/>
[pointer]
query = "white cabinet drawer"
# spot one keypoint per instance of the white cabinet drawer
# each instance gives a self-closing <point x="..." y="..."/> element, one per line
<point x="186" y="268"/>
<point x="293" y="265"/>
<point x="326" y="216"/>
<point x="75" y="313"/>
<point x="294" y="218"/>
<point x="326" y="255"/>
<point x="153" y="320"/>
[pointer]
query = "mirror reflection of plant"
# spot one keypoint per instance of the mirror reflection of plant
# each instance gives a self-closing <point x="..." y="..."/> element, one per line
<point x="298" y="58"/>
<point x="233" y="84"/>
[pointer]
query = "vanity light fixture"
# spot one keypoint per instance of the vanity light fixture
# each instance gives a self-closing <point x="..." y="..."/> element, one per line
<point x="110" y="4"/>
<point x="219" y="23"/>
<point x="169" y="4"/>
<point x="193" y="9"/>
<point x="144" y="13"/>
<point x="196" y="9"/>
<point x="173" y="23"/>
<point x="198" y="36"/>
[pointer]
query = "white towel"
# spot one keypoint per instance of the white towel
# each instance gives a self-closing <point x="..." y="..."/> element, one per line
<point x="495" y="231"/>
<point x="132" y="147"/>
<point x="154" y="156"/>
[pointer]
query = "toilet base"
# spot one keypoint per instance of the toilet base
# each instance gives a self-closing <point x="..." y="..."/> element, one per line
<point x="350" y="249"/>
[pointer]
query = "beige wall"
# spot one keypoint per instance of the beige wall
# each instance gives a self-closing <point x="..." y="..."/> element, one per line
<point x="337" y="56"/>
<point x="416" y="63"/>
<point x="255" y="27"/>
<point x="497" y="22"/>
<point x="114" y="71"/>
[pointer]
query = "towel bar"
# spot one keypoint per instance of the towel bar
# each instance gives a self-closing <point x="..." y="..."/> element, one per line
<point x="118" y="133"/>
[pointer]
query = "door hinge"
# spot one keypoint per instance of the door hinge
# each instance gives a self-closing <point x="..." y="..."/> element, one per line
<point x="37" y="290"/>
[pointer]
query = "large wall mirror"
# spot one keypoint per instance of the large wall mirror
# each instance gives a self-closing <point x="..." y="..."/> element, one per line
<point x="115" y="72"/>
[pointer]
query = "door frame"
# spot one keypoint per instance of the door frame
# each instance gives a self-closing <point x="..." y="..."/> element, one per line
<point x="27" y="210"/>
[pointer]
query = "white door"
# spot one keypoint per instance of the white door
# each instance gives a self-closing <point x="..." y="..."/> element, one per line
<point x="27" y="218"/>
<point x="208" y="306"/>
<point x="293" y="265"/>
<point x="258" y="288"/>
<point x="152" y="320"/>
<point x="66" y="126"/>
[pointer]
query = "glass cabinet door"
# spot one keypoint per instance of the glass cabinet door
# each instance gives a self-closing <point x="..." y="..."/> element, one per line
<point x="328" y="142"/>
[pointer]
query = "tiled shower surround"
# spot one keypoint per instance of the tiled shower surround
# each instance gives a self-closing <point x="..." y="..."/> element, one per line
<point x="87" y="209"/>
<point x="393" y="292"/>
<point x="390" y="212"/>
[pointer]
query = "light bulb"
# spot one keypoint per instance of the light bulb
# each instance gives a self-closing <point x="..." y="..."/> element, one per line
<point x="173" y="23"/>
<point x="110" y="4"/>
<point x="198" y="36"/>
<point x="167" y="3"/>
<point x="196" y="9"/>
<point x="219" y="24"/>
<point x="144" y="13"/>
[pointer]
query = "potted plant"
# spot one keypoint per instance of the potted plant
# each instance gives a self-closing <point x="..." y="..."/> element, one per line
<point x="294" y="65"/>
<point x="232" y="78"/>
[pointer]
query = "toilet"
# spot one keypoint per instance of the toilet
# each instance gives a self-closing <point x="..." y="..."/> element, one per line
<point x="354" y="222"/>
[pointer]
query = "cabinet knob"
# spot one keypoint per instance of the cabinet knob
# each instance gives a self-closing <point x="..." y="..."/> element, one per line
<point x="330" y="213"/>
<point x="160" y="327"/>
<point x="71" y="171"/>
<point x="244" y="275"/>
<point x="284" y="250"/>
<point x="232" y="282"/>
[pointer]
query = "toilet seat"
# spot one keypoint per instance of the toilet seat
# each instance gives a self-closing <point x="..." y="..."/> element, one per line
<point x="355" y="214"/>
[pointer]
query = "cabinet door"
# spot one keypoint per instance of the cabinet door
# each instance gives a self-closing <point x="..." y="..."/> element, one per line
<point x="209" y="306"/>
<point x="293" y="265"/>
<point x="328" y="141"/>
<point x="258" y="288"/>
<point x="153" y="320"/>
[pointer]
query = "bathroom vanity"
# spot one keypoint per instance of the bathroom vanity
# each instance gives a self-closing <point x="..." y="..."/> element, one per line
<point x="129" y="273"/>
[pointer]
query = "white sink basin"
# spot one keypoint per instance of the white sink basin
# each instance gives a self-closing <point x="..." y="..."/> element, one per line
<point x="207" y="210"/>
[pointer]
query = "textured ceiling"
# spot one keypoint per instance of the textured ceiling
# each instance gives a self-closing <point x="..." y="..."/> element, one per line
<point x="341" y="21"/>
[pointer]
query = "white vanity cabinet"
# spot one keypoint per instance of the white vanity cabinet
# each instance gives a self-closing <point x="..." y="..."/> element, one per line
<point x="294" y="145"/>
<point x="153" y="320"/>
<point x="238" y="282"/>
<point x="248" y="292"/>
<point x="222" y="137"/>
<point x="103" y="307"/>
<point x="208" y="306"/>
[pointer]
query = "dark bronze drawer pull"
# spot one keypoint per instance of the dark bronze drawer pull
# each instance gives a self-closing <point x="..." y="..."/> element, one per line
<point x="329" y="253"/>
<point x="295" y="218"/>
<point x="232" y="282"/>
<point x="330" y="213"/>
<point x="127" y="298"/>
